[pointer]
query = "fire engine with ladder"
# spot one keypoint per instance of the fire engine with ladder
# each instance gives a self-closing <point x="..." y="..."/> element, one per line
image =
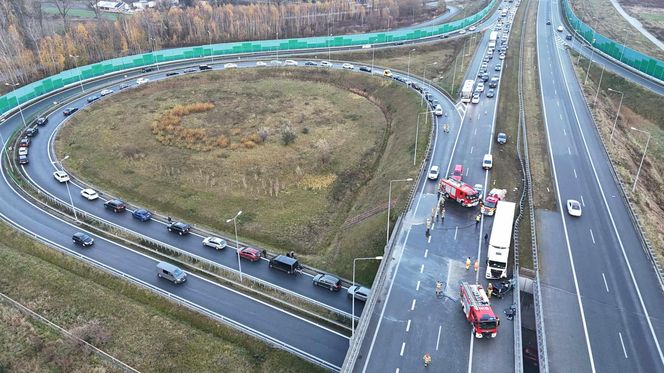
<point x="478" y="310"/>
<point x="459" y="191"/>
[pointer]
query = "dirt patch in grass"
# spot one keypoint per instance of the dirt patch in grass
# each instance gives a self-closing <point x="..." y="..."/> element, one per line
<point x="145" y="331"/>
<point x="351" y="133"/>
<point x="640" y="109"/>
<point x="605" y="19"/>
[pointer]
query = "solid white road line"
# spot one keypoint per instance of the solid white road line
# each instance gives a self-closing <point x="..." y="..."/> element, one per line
<point x="605" y="284"/>
<point x="575" y="176"/>
<point x="408" y="326"/>
<point x="456" y="230"/>
<point x="623" y="344"/>
<point x="569" y="151"/>
<point x="403" y="345"/>
<point x="412" y="307"/>
<point x="583" y="202"/>
<point x="440" y="327"/>
<point x="592" y="236"/>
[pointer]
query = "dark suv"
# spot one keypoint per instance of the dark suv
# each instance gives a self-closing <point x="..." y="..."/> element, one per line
<point x="179" y="228"/>
<point x="82" y="239"/>
<point x="116" y="205"/>
<point x="41" y="121"/>
<point x="327" y="281"/>
<point x="33" y="131"/>
<point x="69" y="111"/>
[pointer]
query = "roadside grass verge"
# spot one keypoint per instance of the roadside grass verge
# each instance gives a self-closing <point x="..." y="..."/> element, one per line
<point x="292" y="197"/>
<point x="605" y="19"/>
<point x="640" y="109"/>
<point x="144" y="330"/>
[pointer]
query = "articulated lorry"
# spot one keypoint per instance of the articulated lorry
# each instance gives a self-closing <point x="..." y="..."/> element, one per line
<point x="499" y="242"/>
<point x="467" y="91"/>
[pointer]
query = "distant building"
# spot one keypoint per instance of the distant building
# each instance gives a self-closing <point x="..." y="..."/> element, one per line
<point x="113" y="7"/>
<point x="144" y="4"/>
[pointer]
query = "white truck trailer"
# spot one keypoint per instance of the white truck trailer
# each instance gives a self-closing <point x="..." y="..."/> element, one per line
<point x="499" y="243"/>
<point x="467" y="91"/>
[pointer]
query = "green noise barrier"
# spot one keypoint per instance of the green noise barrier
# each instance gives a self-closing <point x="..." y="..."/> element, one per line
<point x="637" y="60"/>
<point x="55" y="82"/>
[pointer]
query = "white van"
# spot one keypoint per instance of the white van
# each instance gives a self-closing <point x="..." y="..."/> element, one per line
<point x="487" y="161"/>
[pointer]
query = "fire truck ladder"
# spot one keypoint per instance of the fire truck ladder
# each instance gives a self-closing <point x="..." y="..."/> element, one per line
<point x="477" y="298"/>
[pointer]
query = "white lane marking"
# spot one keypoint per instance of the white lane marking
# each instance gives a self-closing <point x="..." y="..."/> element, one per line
<point x="623" y="344"/>
<point x="471" y="149"/>
<point x="576" y="177"/>
<point x="403" y="345"/>
<point x="422" y="268"/>
<point x="561" y="116"/>
<point x="605" y="284"/>
<point x="565" y="132"/>
<point x="558" y="103"/>
<point x="397" y="371"/>
<point x="408" y="326"/>
<point x="438" y="339"/>
<point x="417" y="288"/>
<point x="412" y="306"/>
<point x="426" y="252"/>
<point x="467" y="170"/>
<point x="583" y="202"/>
<point x="456" y="230"/>
<point x="613" y="223"/>
<point x="429" y="239"/>
<point x="592" y="236"/>
<point x="475" y="132"/>
<point x="569" y="151"/>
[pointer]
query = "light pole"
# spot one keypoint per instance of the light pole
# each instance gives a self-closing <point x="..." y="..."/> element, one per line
<point x="211" y="52"/>
<point x="153" y="45"/>
<point x="237" y="243"/>
<point x="20" y="110"/>
<point x="409" y="54"/>
<point x="617" y="112"/>
<point x="598" y="86"/>
<point x="71" y="200"/>
<point x="352" y="328"/>
<point x="277" y="45"/>
<point x="592" y="54"/>
<point x="75" y="57"/>
<point x="373" y="53"/>
<point x="424" y="79"/>
<point x="389" y="203"/>
<point x="642" y="158"/>
<point x="328" y="47"/>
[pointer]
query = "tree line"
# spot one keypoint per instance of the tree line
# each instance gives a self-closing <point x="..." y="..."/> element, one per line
<point x="30" y="50"/>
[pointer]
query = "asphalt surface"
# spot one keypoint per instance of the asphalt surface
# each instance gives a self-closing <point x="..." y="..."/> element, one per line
<point x="413" y="320"/>
<point x="601" y="297"/>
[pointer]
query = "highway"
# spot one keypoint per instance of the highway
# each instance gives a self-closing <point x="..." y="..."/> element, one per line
<point x="601" y="297"/>
<point x="413" y="320"/>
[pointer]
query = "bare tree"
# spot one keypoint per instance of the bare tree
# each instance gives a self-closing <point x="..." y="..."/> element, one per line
<point x="63" y="6"/>
<point x="93" y="5"/>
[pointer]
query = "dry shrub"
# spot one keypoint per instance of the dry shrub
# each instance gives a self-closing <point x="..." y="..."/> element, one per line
<point x="169" y="131"/>
<point x="249" y="144"/>
<point x="223" y="141"/>
<point x="236" y="131"/>
<point x="234" y="146"/>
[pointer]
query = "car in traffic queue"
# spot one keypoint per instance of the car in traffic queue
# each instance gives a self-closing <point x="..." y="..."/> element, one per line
<point x="250" y="254"/>
<point x="347" y="66"/>
<point x="290" y="63"/>
<point x="116" y="205"/>
<point x="179" y="227"/>
<point x="434" y="172"/>
<point x="327" y="281"/>
<point x="141" y="215"/>
<point x="457" y="174"/>
<point x="83" y="239"/>
<point x="31" y="132"/>
<point x="69" y="111"/>
<point x="214" y="242"/>
<point x="359" y="292"/>
<point x="230" y="65"/>
<point x="105" y="92"/>
<point x="93" y="98"/>
<point x="89" y="194"/>
<point x="41" y="121"/>
<point x="25" y="142"/>
<point x="61" y="176"/>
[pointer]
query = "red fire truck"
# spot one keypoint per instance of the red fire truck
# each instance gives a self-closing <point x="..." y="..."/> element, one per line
<point x="491" y="201"/>
<point x="478" y="310"/>
<point x="459" y="191"/>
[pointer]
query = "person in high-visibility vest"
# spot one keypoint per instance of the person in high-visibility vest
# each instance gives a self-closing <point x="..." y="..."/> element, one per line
<point x="468" y="263"/>
<point x="477" y="265"/>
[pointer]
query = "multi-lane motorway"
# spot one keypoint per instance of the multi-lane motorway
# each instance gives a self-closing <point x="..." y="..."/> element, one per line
<point x="601" y="297"/>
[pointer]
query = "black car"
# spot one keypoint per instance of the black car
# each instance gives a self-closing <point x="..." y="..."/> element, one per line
<point x="399" y="79"/>
<point x="365" y="69"/>
<point x="327" y="281"/>
<point x="568" y="37"/>
<point x="179" y="227"/>
<point x="204" y="67"/>
<point x="171" y="73"/>
<point x="548" y="22"/>
<point x="116" y="205"/>
<point x="82" y="239"/>
<point x="124" y="86"/>
<point x="93" y="98"/>
<point x="485" y="77"/>
<point x="33" y="131"/>
<point x="310" y="63"/>
<point x="189" y="70"/>
<point x="23" y="159"/>
<point x="416" y="87"/>
<point x="69" y="111"/>
<point x="25" y="142"/>
<point x="147" y="69"/>
<point x="41" y="121"/>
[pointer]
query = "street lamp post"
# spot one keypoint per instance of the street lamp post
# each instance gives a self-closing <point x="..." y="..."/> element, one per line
<point x="78" y="70"/>
<point x="642" y="157"/>
<point x="352" y="328"/>
<point x="592" y="54"/>
<point x="328" y="47"/>
<point x="71" y="200"/>
<point x="277" y="45"/>
<point x="622" y="95"/>
<point x="389" y="203"/>
<point x="409" y="54"/>
<point x="599" y="86"/>
<point x="373" y="53"/>
<point x="211" y="51"/>
<point x="237" y="243"/>
<point x="424" y="79"/>
<point x="20" y="110"/>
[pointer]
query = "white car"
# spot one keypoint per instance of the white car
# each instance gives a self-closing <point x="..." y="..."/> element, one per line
<point x="560" y="28"/>
<point x="479" y="87"/>
<point x="573" y="207"/>
<point x="434" y="172"/>
<point x="438" y="111"/>
<point x="325" y="64"/>
<point x="487" y="161"/>
<point x="214" y="242"/>
<point x="275" y="63"/>
<point x="22" y="151"/>
<point x="347" y="66"/>
<point x="476" y="98"/>
<point x="479" y="188"/>
<point x="89" y="194"/>
<point x="359" y="292"/>
<point x="261" y="63"/>
<point x="61" y="176"/>
<point x="462" y="32"/>
<point x="290" y="63"/>
<point x="142" y="80"/>
<point x="502" y="56"/>
<point x="472" y="28"/>
<point x="230" y="65"/>
<point x="105" y="92"/>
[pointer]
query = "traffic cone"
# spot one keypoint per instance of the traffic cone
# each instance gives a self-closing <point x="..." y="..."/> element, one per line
<point x="468" y="263"/>
<point x="477" y="265"/>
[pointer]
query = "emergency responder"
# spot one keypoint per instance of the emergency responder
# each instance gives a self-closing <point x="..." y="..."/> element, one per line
<point x="489" y="290"/>
<point x="477" y="219"/>
<point x="467" y="263"/>
<point x="477" y="265"/>
<point x="427" y="359"/>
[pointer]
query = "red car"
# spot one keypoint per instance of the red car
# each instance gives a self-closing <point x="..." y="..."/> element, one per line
<point x="457" y="174"/>
<point x="250" y="254"/>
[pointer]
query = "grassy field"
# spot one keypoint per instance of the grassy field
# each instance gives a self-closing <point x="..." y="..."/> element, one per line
<point x="347" y="145"/>
<point x="649" y="12"/>
<point x="605" y="19"/>
<point x="143" y="330"/>
<point x="78" y="13"/>
<point x="640" y="109"/>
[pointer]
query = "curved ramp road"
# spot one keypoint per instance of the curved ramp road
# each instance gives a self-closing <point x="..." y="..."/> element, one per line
<point x="602" y="300"/>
